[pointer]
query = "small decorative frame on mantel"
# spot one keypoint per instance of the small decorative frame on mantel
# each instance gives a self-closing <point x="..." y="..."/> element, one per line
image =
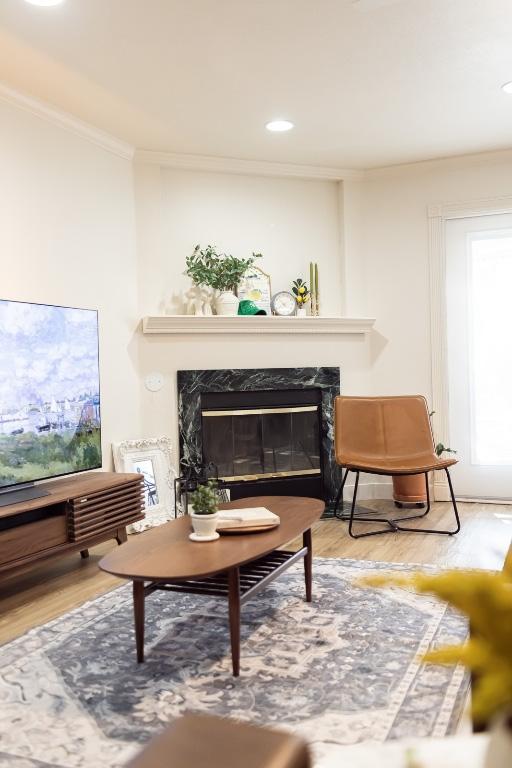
<point x="153" y="459"/>
<point x="255" y="285"/>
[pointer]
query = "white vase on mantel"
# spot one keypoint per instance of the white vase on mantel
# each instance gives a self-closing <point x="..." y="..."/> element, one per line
<point x="301" y="312"/>
<point x="499" y="751"/>
<point x="226" y="303"/>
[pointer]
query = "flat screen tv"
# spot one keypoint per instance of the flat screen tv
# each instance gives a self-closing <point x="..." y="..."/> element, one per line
<point x="49" y="395"/>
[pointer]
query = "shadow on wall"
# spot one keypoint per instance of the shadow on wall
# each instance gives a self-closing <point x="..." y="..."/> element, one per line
<point x="378" y="343"/>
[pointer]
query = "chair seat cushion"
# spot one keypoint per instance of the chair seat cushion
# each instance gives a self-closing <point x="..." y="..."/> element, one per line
<point x="399" y="465"/>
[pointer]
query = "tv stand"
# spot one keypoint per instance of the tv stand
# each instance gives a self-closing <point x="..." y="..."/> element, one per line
<point x="74" y="514"/>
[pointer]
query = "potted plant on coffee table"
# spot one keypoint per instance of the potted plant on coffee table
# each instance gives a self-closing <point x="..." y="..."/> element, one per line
<point x="203" y="510"/>
<point x="220" y="271"/>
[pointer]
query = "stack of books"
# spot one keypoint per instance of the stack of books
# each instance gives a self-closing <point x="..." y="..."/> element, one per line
<point x="251" y="517"/>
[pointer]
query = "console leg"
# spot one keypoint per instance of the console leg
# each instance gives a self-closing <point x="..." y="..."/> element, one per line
<point x="234" y="617"/>
<point x="121" y="535"/>
<point x="84" y="554"/>
<point x="138" y="611"/>
<point x="308" y="563"/>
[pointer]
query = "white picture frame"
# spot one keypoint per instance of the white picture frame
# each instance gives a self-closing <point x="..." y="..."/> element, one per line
<point x="153" y="458"/>
<point x="256" y="286"/>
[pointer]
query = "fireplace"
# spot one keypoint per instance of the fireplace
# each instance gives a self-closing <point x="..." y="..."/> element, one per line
<point x="268" y="431"/>
<point x="261" y="435"/>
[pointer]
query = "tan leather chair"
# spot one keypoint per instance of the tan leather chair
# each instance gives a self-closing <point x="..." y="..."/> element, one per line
<point x="202" y="741"/>
<point x="387" y="436"/>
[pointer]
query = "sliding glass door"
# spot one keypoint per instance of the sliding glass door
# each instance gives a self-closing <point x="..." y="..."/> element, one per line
<point x="479" y="325"/>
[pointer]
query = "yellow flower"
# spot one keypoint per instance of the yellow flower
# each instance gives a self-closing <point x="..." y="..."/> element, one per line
<point x="299" y="299"/>
<point x="486" y="599"/>
<point x="302" y="289"/>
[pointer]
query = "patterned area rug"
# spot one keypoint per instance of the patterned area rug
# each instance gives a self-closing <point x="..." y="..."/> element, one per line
<point x="338" y="671"/>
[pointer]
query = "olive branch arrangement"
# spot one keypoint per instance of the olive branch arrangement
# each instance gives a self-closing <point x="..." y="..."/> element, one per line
<point x="221" y="271"/>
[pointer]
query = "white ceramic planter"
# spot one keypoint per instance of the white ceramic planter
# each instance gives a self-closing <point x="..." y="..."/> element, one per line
<point x="499" y="751"/>
<point x="301" y="312"/>
<point x="226" y="303"/>
<point x="205" y="526"/>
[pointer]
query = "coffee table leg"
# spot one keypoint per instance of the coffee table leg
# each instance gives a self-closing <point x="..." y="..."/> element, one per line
<point x="308" y="563"/>
<point x="138" y="610"/>
<point x="234" y="617"/>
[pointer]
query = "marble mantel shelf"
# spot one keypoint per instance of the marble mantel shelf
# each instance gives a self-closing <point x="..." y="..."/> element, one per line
<point x="180" y="324"/>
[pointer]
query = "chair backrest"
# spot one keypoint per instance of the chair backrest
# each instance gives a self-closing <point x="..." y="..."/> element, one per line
<point x="381" y="428"/>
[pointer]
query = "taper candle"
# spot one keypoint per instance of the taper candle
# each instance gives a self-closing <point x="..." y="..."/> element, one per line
<point x="311" y="289"/>
<point x="317" y="295"/>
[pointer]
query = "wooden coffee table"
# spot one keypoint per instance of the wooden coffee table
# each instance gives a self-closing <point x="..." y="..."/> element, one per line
<point x="234" y="566"/>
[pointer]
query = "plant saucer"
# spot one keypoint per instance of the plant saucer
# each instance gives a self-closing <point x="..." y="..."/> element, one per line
<point x="196" y="537"/>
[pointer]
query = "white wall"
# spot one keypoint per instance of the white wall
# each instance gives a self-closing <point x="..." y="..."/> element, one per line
<point x="392" y="230"/>
<point x="67" y="236"/>
<point x="291" y="221"/>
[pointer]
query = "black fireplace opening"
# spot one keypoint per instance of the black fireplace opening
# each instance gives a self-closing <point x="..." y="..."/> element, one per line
<point x="270" y="431"/>
<point x="265" y="442"/>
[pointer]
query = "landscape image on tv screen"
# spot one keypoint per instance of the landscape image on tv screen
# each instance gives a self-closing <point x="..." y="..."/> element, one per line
<point x="49" y="392"/>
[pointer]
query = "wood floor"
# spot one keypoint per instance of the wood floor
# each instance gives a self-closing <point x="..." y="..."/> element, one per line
<point x="30" y="598"/>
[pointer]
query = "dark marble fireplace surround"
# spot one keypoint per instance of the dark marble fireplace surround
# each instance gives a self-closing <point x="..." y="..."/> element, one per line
<point x="194" y="383"/>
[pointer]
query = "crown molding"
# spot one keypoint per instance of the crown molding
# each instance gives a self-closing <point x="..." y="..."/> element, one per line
<point x="243" y="167"/>
<point x="454" y="162"/>
<point x="116" y="146"/>
<point x="489" y="206"/>
<point x="68" y="122"/>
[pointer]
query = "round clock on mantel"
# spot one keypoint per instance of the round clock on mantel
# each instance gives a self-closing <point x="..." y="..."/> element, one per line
<point x="283" y="304"/>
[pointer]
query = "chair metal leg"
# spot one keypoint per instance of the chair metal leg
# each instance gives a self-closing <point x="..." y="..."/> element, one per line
<point x="434" y="530"/>
<point x="339" y="511"/>
<point x="364" y="519"/>
<point x="339" y="496"/>
<point x="454" y="503"/>
<point x="394" y="523"/>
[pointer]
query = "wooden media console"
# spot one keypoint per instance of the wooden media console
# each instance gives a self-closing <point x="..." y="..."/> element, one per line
<point x="78" y="513"/>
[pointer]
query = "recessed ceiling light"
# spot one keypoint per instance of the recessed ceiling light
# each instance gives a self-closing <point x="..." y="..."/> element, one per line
<point x="278" y="126"/>
<point x="507" y="87"/>
<point x="45" y="2"/>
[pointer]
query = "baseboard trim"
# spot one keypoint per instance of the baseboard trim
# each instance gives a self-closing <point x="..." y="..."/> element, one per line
<point x="368" y="491"/>
<point x="441" y="491"/>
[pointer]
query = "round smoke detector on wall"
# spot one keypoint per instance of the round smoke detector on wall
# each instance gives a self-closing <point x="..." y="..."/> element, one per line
<point x="154" y="382"/>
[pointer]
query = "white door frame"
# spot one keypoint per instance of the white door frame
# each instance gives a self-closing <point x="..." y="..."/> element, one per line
<point x="438" y="215"/>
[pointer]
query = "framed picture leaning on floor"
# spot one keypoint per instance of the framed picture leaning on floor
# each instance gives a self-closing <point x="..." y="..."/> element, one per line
<point x="153" y="459"/>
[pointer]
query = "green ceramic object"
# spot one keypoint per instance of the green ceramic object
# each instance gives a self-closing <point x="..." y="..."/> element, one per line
<point x="248" y="307"/>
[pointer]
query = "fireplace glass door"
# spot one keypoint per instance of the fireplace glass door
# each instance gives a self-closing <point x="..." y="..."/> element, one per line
<point x="252" y="444"/>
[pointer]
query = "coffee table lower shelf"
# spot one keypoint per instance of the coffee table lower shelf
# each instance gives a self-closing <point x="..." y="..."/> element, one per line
<point x="237" y="585"/>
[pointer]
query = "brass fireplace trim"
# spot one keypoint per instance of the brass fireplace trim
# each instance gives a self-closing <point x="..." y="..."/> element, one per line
<point x="269" y="475"/>
<point x="262" y="411"/>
